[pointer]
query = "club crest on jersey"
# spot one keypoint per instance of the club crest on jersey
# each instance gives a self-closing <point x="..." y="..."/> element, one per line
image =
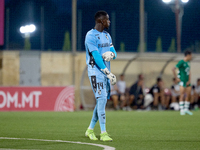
<point x="106" y="36"/>
<point x="99" y="92"/>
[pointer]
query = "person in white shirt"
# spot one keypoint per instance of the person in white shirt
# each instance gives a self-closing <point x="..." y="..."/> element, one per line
<point x="114" y="96"/>
<point x="175" y="91"/>
<point x="121" y="85"/>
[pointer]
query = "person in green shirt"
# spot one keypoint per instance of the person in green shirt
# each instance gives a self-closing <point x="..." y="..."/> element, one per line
<point x="182" y="74"/>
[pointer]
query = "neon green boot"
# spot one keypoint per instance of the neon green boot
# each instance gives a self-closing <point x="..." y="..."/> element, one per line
<point x="105" y="137"/>
<point x="90" y="133"/>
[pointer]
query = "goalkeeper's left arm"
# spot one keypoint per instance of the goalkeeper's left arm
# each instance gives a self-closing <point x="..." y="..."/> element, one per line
<point x="110" y="55"/>
<point x="99" y="61"/>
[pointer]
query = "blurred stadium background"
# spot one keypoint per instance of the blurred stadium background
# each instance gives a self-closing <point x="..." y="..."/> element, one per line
<point x="52" y="53"/>
<point x="43" y="68"/>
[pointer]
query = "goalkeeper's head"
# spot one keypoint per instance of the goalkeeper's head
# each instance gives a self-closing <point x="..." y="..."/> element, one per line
<point x="102" y="18"/>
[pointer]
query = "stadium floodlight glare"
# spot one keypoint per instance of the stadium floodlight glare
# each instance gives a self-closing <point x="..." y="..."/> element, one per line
<point x="166" y="1"/>
<point x="177" y="8"/>
<point x="185" y="1"/>
<point x="27" y="29"/>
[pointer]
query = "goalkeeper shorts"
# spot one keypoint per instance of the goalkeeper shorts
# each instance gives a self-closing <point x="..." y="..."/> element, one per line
<point x="100" y="86"/>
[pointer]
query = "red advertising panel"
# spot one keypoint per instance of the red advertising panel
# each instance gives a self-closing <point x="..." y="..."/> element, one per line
<point x="37" y="98"/>
<point x="1" y="22"/>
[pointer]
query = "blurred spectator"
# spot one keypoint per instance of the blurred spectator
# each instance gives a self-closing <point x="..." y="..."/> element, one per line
<point x="175" y="93"/>
<point x="157" y="91"/>
<point x="136" y="96"/>
<point x="114" y="96"/>
<point x="121" y="85"/>
<point x="192" y="98"/>
<point x="196" y="95"/>
<point x="167" y="95"/>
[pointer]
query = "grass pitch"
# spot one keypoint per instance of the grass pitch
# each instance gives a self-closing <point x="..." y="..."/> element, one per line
<point x="156" y="130"/>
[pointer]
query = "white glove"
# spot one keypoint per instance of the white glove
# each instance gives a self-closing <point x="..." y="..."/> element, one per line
<point x="110" y="76"/>
<point x="108" y="56"/>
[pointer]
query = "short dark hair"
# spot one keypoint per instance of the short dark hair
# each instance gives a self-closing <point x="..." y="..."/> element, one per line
<point x="174" y="79"/>
<point x="159" y="79"/>
<point x="121" y="75"/>
<point x="99" y="14"/>
<point x="198" y="79"/>
<point x="140" y="77"/>
<point x="187" y="53"/>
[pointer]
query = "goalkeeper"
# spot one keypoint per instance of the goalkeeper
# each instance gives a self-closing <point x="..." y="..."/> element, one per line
<point x="99" y="53"/>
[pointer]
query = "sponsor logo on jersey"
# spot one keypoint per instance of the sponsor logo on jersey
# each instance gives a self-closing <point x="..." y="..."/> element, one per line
<point x="106" y="36"/>
<point x="99" y="92"/>
<point x="103" y="45"/>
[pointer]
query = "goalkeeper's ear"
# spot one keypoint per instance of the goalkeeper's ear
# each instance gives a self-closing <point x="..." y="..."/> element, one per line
<point x="100" y="20"/>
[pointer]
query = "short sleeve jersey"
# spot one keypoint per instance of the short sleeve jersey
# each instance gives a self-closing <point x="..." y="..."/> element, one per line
<point x="136" y="90"/>
<point x="113" y="90"/>
<point x="154" y="89"/>
<point x="184" y="70"/>
<point x="96" y="41"/>
<point x="197" y="89"/>
<point x="121" y="86"/>
<point x="175" y="87"/>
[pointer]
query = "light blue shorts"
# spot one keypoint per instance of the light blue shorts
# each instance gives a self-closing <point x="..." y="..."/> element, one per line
<point x="100" y="86"/>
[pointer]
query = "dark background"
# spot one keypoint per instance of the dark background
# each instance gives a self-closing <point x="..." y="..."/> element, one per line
<point x="160" y="22"/>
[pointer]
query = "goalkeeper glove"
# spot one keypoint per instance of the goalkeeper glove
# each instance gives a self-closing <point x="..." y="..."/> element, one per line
<point x="110" y="76"/>
<point x="108" y="56"/>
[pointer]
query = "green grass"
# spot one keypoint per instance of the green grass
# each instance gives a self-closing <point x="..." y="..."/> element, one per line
<point x="162" y="130"/>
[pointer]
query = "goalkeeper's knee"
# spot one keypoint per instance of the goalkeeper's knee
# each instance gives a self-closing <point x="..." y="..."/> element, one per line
<point x="101" y="109"/>
<point x="95" y="114"/>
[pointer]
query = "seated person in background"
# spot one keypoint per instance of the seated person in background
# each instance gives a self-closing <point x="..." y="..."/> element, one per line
<point x="167" y="93"/>
<point x="175" y="90"/>
<point x="192" y="98"/>
<point x="136" y="96"/>
<point x="114" y="96"/>
<point x="121" y="85"/>
<point x="175" y="93"/>
<point x="196" y="91"/>
<point x="157" y="91"/>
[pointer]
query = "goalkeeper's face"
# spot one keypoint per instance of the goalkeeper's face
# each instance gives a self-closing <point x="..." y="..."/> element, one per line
<point x="106" y="21"/>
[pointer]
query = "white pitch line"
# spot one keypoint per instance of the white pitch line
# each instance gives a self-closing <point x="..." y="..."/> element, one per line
<point x="16" y="149"/>
<point x="61" y="141"/>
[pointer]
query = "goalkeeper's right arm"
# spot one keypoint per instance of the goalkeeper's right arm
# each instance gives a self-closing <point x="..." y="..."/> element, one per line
<point x="99" y="61"/>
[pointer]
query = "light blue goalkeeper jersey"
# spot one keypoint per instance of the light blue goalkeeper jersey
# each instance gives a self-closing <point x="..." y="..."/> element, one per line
<point x="96" y="41"/>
